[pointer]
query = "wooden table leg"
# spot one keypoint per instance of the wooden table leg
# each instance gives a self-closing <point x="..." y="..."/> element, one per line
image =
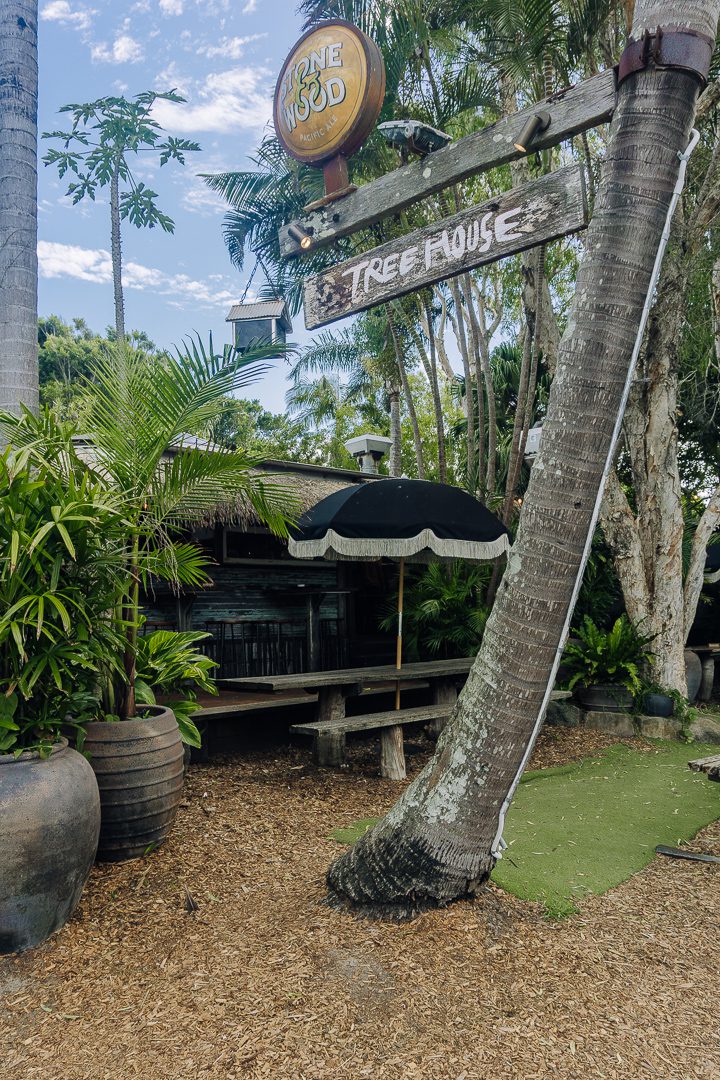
<point x="329" y="746"/>
<point x="444" y="693"/>
<point x="392" y="753"/>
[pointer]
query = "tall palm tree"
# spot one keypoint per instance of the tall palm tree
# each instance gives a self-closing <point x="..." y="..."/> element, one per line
<point x="18" y="204"/>
<point x="440" y="840"/>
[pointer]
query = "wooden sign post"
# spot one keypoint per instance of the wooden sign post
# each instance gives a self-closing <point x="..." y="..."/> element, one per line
<point x="571" y="111"/>
<point x="521" y="218"/>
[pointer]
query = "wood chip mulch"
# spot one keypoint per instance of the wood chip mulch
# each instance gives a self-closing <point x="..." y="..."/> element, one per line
<point x="215" y="957"/>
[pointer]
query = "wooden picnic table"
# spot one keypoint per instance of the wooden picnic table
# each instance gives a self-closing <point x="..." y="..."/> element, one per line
<point x="334" y="687"/>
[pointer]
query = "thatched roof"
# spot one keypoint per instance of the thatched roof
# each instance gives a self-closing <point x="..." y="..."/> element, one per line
<point x="304" y="484"/>
<point x="299" y="484"/>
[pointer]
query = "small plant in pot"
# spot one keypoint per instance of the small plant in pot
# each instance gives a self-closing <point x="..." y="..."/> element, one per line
<point x="58" y="580"/>
<point x="137" y="412"/>
<point x="603" y="666"/>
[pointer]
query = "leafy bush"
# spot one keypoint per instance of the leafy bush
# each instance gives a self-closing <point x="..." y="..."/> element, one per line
<point x="614" y="656"/>
<point x="60" y="560"/>
<point x="445" y="613"/>
<point x="167" y="663"/>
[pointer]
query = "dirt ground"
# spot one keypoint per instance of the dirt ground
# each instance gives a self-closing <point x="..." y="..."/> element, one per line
<point x="264" y="982"/>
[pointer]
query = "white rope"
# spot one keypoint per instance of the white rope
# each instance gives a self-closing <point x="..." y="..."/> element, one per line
<point x="499" y="844"/>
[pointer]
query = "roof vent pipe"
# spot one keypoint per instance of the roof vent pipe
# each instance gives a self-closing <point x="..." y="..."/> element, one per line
<point x="368" y="451"/>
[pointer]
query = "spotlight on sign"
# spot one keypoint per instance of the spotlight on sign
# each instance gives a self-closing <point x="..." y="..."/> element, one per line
<point x="534" y="126"/>
<point x="411" y="135"/>
<point x="304" y="239"/>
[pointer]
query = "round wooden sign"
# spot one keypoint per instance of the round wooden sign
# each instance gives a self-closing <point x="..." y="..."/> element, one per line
<point x="329" y="93"/>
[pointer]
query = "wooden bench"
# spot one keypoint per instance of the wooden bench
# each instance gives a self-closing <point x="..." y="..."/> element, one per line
<point x="708" y="765"/>
<point x="329" y="735"/>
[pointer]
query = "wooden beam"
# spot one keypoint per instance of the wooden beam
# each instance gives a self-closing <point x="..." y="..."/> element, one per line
<point x="572" y="111"/>
<point x="521" y="218"/>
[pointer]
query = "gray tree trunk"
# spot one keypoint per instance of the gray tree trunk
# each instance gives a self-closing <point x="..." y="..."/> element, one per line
<point x="395" y="467"/>
<point x="18" y="205"/>
<point x="116" y="253"/>
<point x="436" y="844"/>
<point x="647" y="539"/>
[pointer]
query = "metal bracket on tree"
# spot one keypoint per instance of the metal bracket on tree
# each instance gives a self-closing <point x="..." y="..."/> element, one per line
<point x="668" y="47"/>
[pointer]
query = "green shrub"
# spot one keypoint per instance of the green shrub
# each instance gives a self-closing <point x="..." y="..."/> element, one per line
<point x="614" y="656"/>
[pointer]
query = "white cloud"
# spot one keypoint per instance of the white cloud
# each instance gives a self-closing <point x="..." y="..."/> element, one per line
<point x="226" y="101"/>
<point x="125" y="50"/>
<point x="61" y="12"/>
<point x="94" y="264"/>
<point x="228" y="48"/>
<point x="250" y="7"/>
<point x="171" y="7"/>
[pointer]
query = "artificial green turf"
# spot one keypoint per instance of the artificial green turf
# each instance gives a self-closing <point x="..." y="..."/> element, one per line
<point x="585" y="828"/>
<point x="581" y="829"/>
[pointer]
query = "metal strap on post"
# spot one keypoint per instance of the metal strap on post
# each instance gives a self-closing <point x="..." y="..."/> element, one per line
<point x="668" y="47"/>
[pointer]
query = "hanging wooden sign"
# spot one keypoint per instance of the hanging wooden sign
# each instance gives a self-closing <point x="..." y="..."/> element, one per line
<point x="521" y="218"/>
<point x="328" y="98"/>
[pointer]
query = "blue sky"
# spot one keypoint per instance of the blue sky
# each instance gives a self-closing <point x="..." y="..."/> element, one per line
<point x="224" y="58"/>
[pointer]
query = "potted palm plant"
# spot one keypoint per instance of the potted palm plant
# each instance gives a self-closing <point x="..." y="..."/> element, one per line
<point x="60" y="534"/>
<point x="603" y="666"/>
<point x="143" y="419"/>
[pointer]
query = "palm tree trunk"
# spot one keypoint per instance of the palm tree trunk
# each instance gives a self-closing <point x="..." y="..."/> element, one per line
<point x="116" y="252"/>
<point x="18" y="205"/>
<point x="407" y="394"/>
<point x="395" y="432"/>
<point x="437" y="401"/>
<point x="437" y="843"/>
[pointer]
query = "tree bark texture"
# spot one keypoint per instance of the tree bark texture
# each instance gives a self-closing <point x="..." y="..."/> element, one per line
<point x="116" y="253"/>
<point x="18" y="205"/>
<point x="647" y="540"/>
<point x="395" y="467"/>
<point x="436" y="843"/>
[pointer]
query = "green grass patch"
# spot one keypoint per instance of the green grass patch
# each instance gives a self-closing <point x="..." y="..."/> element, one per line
<point x="354" y="831"/>
<point x="581" y="829"/>
<point x="585" y="828"/>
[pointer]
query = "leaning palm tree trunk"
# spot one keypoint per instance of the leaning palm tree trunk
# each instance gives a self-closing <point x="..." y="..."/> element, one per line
<point x="436" y="844"/>
<point x="18" y="204"/>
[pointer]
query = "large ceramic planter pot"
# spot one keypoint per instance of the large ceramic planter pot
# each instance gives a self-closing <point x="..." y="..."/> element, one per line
<point x="658" y="705"/>
<point x="49" y="826"/>
<point x="139" y="770"/>
<point x="605" y="697"/>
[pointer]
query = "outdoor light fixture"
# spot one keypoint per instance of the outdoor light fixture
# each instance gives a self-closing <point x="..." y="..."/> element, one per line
<point x="534" y="126"/>
<point x="412" y="136"/>
<point x="301" y="237"/>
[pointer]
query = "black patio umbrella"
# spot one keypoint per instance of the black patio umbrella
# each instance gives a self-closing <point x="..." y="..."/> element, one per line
<point x="399" y="520"/>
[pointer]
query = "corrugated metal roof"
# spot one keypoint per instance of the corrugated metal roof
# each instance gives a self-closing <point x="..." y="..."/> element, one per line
<point x="262" y="309"/>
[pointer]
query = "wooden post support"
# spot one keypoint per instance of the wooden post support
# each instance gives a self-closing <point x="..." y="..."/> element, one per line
<point x="444" y="692"/>
<point x="521" y="218"/>
<point x="572" y="111"/>
<point x="329" y="748"/>
<point x="392" y="753"/>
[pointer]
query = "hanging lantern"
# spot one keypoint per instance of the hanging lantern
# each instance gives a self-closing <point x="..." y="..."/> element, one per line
<point x="263" y="323"/>
<point x="532" y="444"/>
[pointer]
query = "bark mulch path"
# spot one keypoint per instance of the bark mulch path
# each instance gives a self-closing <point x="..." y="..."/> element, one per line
<point x="263" y="982"/>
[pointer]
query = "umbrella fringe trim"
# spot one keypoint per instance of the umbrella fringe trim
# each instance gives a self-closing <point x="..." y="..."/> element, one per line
<point x="344" y="547"/>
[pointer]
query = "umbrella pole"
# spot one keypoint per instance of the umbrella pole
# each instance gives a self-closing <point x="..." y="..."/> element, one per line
<point x="398" y="649"/>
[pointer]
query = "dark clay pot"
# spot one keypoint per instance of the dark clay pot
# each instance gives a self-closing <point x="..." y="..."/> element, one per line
<point x="693" y="673"/>
<point x="605" y="697"/>
<point x="139" y="770"/>
<point x="658" y="705"/>
<point x="50" y="815"/>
